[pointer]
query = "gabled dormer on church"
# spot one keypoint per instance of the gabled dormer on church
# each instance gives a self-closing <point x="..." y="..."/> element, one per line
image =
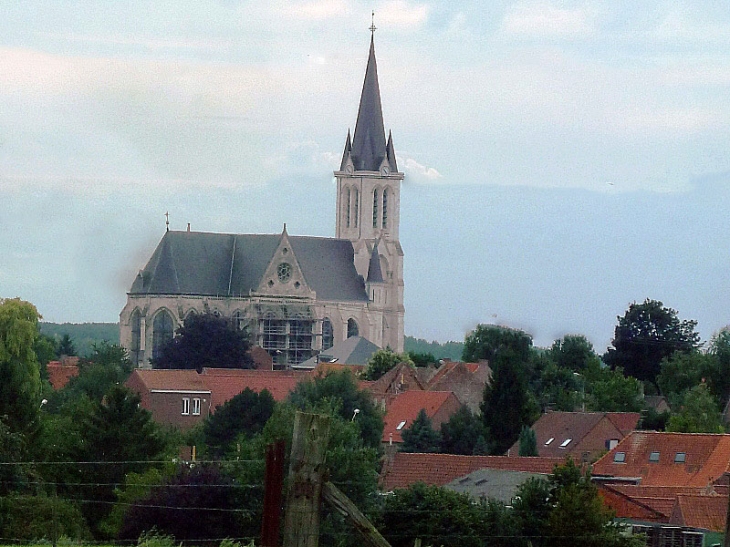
<point x="283" y="275"/>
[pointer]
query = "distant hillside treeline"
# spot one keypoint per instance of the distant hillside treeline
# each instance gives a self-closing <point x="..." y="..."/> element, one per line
<point x="447" y="350"/>
<point x="83" y="335"/>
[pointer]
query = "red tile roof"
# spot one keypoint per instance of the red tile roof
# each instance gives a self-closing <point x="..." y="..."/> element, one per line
<point x="59" y="374"/>
<point x="634" y="507"/>
<point x="704" y="512"/>
<point x="225" y="384"/>
<point x="404" y="408"/>
<point x="625" y="422"/>
<point x="405" y="469"/>
<point x="706" y="458"/>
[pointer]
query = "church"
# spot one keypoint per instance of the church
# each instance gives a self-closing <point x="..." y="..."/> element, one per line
<point x="297" y="296"/>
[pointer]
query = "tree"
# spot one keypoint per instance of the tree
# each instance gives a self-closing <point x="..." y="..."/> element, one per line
<point x="461" y="434"/>
<point x="611" y="391"/>
<point x="698" y="414"/>
<point x="206" y="340"/>
<point x="528" y="442"/>
<point x="507" y="403"/>
<point x="422" y="359"/>
<point x="680" y="372"/>
<point x="488" y="341"/>
<point x="646" y="334"/>
<point x="118" y="438"/>
<point x="340" y="390"/>
<point x="558" y="388"/>
<point x="382" y="361"/>
<point x="420" y="436"/>
<point x="245" y="414"/>
<point x="65" y="347"/>
<point x="20" y="380"/>
<point x="718" y="377"/>
<point x="575" y="353"/>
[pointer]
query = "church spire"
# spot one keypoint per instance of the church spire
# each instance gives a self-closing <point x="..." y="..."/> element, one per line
<point x="368" y="142"/>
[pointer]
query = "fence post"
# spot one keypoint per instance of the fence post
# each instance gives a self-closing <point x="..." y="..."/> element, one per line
<point x="273" y="484"/>
<point x="306" y="470"/>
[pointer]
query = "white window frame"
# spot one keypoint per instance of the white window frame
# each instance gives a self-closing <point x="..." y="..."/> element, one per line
<point x="185" y="406"/>
<point x="196" y="406"/>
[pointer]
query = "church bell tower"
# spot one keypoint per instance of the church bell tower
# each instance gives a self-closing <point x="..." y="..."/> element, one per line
<point x="368" y="208"/>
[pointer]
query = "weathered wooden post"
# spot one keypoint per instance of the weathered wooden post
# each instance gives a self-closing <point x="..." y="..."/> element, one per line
<point x="306" y="471"/>
<point x="273" y="485"/>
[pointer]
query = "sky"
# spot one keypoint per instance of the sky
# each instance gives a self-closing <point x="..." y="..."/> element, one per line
<point x="562" y="159"/>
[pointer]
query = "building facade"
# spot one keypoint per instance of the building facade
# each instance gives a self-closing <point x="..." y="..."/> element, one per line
<point x="296" y="295"/>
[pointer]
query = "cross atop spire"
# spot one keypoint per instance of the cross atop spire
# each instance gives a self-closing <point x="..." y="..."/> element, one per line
<point x="373" y="28"/>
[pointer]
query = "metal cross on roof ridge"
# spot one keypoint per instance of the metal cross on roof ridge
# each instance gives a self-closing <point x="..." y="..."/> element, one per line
<point x="373" y="28"/>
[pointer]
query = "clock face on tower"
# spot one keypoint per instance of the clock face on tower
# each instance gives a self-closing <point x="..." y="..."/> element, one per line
<point x="283" y="271"/>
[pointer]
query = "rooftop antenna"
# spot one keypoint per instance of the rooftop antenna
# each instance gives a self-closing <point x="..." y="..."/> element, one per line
<point x="167" y="221"/>
<point x="373" y="28"/>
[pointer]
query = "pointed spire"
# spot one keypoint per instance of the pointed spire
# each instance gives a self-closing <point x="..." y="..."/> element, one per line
<point x="390" y="152"/>
<point x="375" y="273"/>
<point x="368" y="142"/>
<point x="347" y="152"/>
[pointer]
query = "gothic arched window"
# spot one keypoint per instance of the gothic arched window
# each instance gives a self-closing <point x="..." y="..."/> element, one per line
<point x="136" y="323"/>
<point x="375" y="208"/>
<point x="328" y="336"/>
<point x="347" y="208"/>
<point x="385" y="208"/>
<point x="161" y="332"/>
<point x="352" y="329"/>
<point x="355" y="206"/>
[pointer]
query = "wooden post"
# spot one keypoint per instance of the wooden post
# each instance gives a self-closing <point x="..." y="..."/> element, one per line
<point x="306" y="470"/>
<point x="344" y="505"/>
<point x="273" y="484"/>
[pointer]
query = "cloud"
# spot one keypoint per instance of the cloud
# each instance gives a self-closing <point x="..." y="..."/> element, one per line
<point x="417" y="171"/>
<point x="543" y="20"/>
<point x="316" y="10"/>
<point x="399" y="13"/>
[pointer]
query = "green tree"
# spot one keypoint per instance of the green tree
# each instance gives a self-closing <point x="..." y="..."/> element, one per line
<point x="528" y="442"/>
<point x="680" y="372"/>
<point x="206" y="340"/>
<point x="611" y="391"/>
<point x="65" y="347"/>
<point x="118" y="437"/>
<point x="575" y="353"/>
<point x="718" y="377"/>
<point x="488" y="341"/>
<point x="646" y="334"/>
<point x="507" y="403"/>
<point x="382" y="361"/>
<point x="461" y="434"/>
<point x="420" y="436"/>
<point x="558" y="388"/>
<point x="422" y="359"/>
<point x="339" y="390"/>
<point x="245" y="414"/>
<point x="698" y="414"/>
<point x="20" y="380"/>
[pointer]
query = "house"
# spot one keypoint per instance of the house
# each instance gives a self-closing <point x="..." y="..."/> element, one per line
<point x="355" y="351"/>
<point x="402" y="469"/>
<point x="402" y="410"/>
<point x="495" y="484"/>
<point x="582" y="435"/>
<point x="700" y="512"/>
<point x="296" y="295"/>
<point x="60" y="372"/>
<point x="652" y="458"/>
<point x="184" y="398"/>
<point x="466" y="380"/>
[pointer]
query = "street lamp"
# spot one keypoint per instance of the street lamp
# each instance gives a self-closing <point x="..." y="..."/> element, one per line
<point x="357" y="411"/>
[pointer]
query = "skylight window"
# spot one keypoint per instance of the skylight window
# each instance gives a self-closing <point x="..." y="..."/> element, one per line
<point x="400" y="425"/>
<point x="680" y="457"/>
<point x="619" y="457"/>
<point x="551" y="439"/>
<point x="654" y="457"/>
<point x="565" y="443"/>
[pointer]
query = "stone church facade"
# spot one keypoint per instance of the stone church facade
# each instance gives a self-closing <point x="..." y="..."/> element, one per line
<point x="296" y="295"/>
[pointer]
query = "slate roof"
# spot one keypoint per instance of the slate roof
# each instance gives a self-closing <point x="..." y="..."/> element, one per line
<point x="706" y="458"/>
<point x="375" y="273"/>
<point x="355" y="350"/>
<point x="405" y="469"/>
<point x="210" y="264"/>
<point x="497" y="484"/>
